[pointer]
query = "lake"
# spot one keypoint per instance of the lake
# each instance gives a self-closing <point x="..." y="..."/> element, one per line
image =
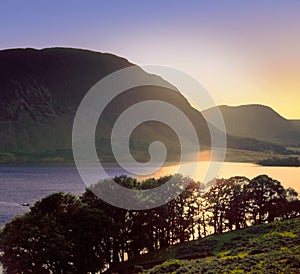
<point x="27" y="183"/>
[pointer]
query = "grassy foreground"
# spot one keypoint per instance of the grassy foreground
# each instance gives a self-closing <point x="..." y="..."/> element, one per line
<point x="268" y="248"/>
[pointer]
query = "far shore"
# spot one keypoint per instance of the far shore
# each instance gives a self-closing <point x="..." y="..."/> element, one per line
<point x="232" y="155"/>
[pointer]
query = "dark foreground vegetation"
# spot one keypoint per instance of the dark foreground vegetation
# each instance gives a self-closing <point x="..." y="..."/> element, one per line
<point x="67" y="234"/>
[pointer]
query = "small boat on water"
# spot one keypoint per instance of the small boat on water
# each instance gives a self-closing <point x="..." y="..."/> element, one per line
<point x="24" y="204"/>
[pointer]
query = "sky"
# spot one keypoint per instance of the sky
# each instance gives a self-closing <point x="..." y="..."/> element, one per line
<point x="243" y="52"/>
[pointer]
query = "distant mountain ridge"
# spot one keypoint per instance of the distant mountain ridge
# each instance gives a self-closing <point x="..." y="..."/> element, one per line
<point x="296" y="123"/>
<point x="40" y="91"/>
<point x="260" y="122"/>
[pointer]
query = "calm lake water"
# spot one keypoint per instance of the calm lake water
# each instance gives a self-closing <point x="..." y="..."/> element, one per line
<point x="27" y="183"/>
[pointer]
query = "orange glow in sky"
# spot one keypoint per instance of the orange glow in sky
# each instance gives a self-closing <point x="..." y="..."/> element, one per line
<point x="242" y="51"/>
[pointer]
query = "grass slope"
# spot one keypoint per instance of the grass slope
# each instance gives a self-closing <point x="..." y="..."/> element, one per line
<point x="268" y="248"/>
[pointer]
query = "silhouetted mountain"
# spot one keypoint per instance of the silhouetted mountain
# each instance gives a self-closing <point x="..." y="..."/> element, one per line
<point x="296" y="123"/>
<point x="40" y="91"/>
<point x="260" y="122"/>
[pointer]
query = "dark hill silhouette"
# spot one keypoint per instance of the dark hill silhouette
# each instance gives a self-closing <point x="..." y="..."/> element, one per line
<point x="260" y="122"/>
<point x="40" y="91"/>
<point x="296" y="124"/>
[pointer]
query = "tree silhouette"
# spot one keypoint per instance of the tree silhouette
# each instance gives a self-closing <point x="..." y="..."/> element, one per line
<point x="54" y="237"/>
<point x="67" y="234"/>
<point x="265" y="197"/>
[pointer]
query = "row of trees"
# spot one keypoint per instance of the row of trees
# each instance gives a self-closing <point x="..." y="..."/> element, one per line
<point x="67" y="234"/>
<point x="290" y="161"/>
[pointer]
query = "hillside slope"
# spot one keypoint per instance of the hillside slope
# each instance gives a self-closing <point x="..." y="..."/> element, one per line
<point x="268" y="248"/>
<point x="296" y="123"/>
<point x="260" y="122"/>
<point x="40" y="91"/>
